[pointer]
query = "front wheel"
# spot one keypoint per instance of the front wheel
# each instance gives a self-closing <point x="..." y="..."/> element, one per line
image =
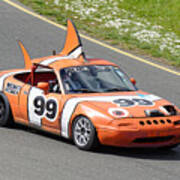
<point x="166" y="148"/>
<point x="84" y="133"/>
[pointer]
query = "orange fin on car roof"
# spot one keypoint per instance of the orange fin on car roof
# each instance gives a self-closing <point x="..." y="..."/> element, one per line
<point x="73" y="45"/>
<point x="27" y="59"/>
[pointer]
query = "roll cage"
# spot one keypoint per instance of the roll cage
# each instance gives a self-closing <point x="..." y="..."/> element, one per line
<point x="32" y="75"/>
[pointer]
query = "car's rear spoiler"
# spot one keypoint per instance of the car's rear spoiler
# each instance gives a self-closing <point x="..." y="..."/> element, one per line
<point x="72" y="46"/>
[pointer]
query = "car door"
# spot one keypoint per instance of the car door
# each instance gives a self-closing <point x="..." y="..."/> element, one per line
<point x="44" y="109"/>
<point x="40" y="107"/>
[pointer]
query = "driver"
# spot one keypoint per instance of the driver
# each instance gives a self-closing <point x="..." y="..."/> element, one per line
<point x="71" y="83"/>
<point x="95" y="81"/>
<point x="54" y="86"/>
<point x="76" y="81"/>
<point x="66" y="80"/>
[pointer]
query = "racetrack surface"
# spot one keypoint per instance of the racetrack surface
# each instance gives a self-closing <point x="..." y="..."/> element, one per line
<point x="29" y="154"/>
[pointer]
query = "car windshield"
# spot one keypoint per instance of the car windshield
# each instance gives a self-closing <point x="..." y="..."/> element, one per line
<point x="95" y="78"/>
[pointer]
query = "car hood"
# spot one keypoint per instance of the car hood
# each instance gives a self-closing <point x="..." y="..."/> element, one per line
<point x="136" y="104"/>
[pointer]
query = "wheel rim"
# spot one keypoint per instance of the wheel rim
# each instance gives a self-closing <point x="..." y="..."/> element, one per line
<point x="2" y="111"/>
<point x="82" y="131"/>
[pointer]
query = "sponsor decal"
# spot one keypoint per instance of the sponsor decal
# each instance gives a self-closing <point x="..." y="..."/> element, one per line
<point x="12" y="88"/>
<point x="4" y="76"/>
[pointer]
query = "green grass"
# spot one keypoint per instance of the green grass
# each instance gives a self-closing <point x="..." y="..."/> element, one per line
<point x="162" y="12"/>
<point x="145" y="26"/>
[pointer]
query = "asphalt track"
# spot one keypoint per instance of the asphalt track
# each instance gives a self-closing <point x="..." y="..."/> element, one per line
<point x="30" y="154"/>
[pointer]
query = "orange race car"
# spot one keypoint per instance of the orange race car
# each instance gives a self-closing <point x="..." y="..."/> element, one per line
<point x="88" y="100"/>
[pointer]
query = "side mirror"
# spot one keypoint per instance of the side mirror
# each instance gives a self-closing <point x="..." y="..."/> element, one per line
<point x="133" y="81"/>
<point x="44" y="86"/>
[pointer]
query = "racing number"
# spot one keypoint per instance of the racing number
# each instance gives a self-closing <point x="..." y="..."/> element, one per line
<point x="124" y="102"/>
<point x="143" y="102"/>
<point x="39" y="103"/>
<point x="51" y="109"/>
<point x="128" y="102"/>
<point x="41" y="106"/>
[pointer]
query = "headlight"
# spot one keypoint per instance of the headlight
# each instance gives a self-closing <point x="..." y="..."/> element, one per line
<point x="118" y="112"/>
<point x="153" y="113"/>
<point x="170" y="110"/>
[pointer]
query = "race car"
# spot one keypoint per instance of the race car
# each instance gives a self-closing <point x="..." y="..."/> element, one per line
<point x="91" y="101"/>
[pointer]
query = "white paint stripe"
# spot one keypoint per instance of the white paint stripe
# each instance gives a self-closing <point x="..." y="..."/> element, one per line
<point x="73" y="55"/>
<point x="76" y="53"/>
<point x="33" y="117"/>
<point x="3" y="77"/>
<point x="49" y="61"/>
<point x="72" y="103"/>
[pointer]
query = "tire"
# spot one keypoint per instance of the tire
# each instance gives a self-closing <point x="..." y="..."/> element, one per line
<point x="167" y="148"/>
<point x="84" y="134"/>
<point x="5" y="112"/>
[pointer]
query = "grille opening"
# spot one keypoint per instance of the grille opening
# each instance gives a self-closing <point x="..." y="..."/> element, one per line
<point x="155" y="121"/>
<point x="153" y="139"/>
<point x="162" y="121"/>
<point x="169" y="121"/>
<point x="149" y="122"/>
<point x="142" y="123"/>
<point x="170" y="109"/>
<point x="177" y="122"/>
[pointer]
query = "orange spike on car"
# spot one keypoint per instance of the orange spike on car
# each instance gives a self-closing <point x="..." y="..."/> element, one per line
<point x="27" y="59"/>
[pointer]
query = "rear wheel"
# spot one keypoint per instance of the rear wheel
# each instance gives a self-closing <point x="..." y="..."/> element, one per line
<point x="84" y="133"/>
<point x="5" y="113"/>
<point x="2" y="113"/>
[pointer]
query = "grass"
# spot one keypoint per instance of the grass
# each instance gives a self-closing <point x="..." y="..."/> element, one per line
<point x="148" y="26"/>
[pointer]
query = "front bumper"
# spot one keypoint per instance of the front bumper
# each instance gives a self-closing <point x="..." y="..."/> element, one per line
<point x="141" y="132"/>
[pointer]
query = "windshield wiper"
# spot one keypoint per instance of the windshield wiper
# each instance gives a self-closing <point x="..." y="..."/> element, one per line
<point x="117" y="89"/>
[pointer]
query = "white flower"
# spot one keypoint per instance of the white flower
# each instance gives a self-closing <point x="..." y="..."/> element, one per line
<point x="56" y="2"/>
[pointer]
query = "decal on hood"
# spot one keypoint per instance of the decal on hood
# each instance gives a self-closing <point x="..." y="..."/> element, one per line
<point x="128" y="102"/>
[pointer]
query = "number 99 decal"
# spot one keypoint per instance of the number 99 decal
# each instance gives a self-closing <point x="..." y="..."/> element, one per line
<point x="48" y="108"/>
<point x="39" y="106"/>
<point x="133" y="102"/>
